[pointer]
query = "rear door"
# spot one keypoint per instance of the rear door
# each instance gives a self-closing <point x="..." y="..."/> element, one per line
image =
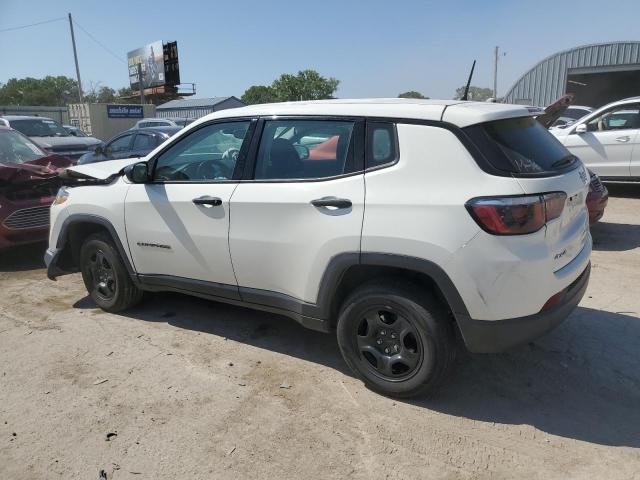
<point x="301" y="205"/>
<point x="607" y="145"/>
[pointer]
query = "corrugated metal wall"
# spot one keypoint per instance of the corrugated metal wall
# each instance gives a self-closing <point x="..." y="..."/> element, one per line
<point x="547" y="81"/>
<point x="59" y="114"/>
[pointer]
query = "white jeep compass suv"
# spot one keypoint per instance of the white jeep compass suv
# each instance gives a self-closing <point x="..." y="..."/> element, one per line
<point x="400" y="224"/>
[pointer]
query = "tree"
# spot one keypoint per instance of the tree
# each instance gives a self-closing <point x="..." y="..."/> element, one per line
<point x="411" y="94"/>
<point x="48" y="91"/>
<point x="259" y="94"/>
<point x="306" y="85"/>
<point x="477" y="94"/>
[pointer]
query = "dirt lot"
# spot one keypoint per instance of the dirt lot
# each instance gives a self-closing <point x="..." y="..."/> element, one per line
<point x="194" y="389"/>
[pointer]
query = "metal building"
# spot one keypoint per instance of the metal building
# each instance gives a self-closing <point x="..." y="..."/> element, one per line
<point x="597" y="74"/>
<point x="196" y="107"/>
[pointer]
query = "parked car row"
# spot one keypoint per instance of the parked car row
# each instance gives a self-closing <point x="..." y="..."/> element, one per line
<point x="51" y="136"/>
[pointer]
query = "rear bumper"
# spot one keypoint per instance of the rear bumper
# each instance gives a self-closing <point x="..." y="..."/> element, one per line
<point x="492" y="336"/>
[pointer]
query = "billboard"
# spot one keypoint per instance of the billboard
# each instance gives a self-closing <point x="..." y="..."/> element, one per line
<point x="150" y="58"/>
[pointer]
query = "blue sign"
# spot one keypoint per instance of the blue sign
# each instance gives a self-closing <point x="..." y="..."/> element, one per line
<point x="125" y="111"/>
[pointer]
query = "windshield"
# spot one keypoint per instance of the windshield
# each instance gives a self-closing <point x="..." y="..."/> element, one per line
<point x="15" y="148"/>
<point x="40" y="127"/>
<point x="520" y="145"/>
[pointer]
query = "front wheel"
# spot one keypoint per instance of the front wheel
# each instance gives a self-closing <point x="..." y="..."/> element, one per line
<point x="105" y="276"/>
<point x="396" y="338"/>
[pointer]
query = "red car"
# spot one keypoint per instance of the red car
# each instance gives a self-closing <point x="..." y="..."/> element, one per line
<point x="597" y="198"/>
<point x="28" y="184"/>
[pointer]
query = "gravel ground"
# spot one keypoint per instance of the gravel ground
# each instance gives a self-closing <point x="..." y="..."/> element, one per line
<point x="185" y="388"/>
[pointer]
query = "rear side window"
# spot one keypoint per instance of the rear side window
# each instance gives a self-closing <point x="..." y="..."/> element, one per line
<point x="305" y="149"/>
<point x="520" y="145"/>
<point x="144" y="142"/>
<point x="381" y="144"/>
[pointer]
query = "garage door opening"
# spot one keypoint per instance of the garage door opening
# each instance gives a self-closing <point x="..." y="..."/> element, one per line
<point x="595" y="89"/>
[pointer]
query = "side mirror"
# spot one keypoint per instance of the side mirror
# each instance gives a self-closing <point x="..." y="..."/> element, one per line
<point x="580" y="129"/>
<point x="99" y="150"/>
<point x="137" y="173"/>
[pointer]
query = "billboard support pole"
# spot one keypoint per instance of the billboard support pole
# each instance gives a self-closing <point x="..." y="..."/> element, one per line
<point x="140" y="84"/>
<point x="75" y="57"/>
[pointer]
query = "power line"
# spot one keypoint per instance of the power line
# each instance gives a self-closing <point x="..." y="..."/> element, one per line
<point x="99" y="43"/>
<point x="32" y="24"/>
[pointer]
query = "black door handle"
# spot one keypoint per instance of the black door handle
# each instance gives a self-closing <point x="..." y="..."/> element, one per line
<point x="331" y="202"/>
<point x="207" y="200"/>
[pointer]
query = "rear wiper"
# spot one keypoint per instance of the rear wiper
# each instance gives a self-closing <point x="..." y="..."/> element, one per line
<point x="566" y="160"/>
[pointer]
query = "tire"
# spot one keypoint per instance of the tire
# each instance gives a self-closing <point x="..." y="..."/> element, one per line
<point x="105" y="276"/>
<point x="396" y="338"/>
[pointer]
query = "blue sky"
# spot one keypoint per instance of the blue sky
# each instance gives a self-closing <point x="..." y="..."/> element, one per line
<point x="375" y="48"/>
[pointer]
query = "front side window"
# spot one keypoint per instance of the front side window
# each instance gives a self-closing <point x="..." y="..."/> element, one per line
<point x="144" y="142"/>
<point x="120" y="144"/>
<point x="624" y="117"/>
<point x="208" y="153"/>
<point x="305" y="149"/>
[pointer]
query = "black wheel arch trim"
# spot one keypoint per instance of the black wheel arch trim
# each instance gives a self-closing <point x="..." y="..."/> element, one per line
<point x="53" y="269"/>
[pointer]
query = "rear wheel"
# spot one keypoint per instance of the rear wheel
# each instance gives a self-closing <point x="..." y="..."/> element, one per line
<point x="105" y="275"/>
<point x="396" y="338"/>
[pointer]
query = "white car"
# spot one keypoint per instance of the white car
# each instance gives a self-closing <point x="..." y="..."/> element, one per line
<point x="154" y="123"/>
<point x="607" y="140"/>
<point x="393" y="222"/>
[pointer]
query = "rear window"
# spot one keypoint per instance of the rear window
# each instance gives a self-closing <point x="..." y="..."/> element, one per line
<point x="520" y="145"/>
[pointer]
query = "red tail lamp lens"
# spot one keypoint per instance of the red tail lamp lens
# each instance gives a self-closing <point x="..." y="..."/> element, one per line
<point x="516" y="215"/>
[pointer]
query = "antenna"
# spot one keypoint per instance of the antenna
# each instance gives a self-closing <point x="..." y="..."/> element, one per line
<point x="466" y="89"/>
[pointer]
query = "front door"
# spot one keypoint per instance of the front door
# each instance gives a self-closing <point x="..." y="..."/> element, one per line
<point x="606" y="147"/>
<point x="178" y="224"/>
<point x="302" y="206"/>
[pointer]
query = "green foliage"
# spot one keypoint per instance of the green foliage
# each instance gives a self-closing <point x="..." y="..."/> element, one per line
<point x="57" y="92"/>
<point x="477" y="94"/>
<point x="48" y="91"/>
<point x="305" y="85"/>
<point x="411" y="94"/>
<point x="259" y="94"/>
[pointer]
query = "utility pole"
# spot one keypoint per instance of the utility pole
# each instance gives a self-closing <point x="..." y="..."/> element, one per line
<point x="140" y="84"/>
<point x="75" y="57"/>
<point x="495" y="75"/>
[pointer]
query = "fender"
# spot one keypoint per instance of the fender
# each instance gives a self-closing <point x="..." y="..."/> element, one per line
<point x="52" y="258"/>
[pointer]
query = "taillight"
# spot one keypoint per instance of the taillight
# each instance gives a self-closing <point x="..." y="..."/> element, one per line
<point x="516" y="215"/>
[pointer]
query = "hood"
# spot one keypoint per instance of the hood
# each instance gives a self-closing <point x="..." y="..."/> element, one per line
<point x="44" y="168"/>
<point x="555" y="110"/>
<point x="100" y="170"/>
<point x="69" y="143"/>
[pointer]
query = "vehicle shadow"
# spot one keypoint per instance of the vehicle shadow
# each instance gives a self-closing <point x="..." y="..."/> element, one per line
<point x="23" y="258"/>
<point x="623" y="190"/>
<point x="615" y="237"/>
<point x="259" y="329"/>
<point x="582" y="381"/>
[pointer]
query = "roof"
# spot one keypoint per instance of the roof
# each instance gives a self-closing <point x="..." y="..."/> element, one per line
<point x="193" y="103"/>
<point x="457" y="112"/>
<point x="546" y="81"/>
<point x="23" y="117"/>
